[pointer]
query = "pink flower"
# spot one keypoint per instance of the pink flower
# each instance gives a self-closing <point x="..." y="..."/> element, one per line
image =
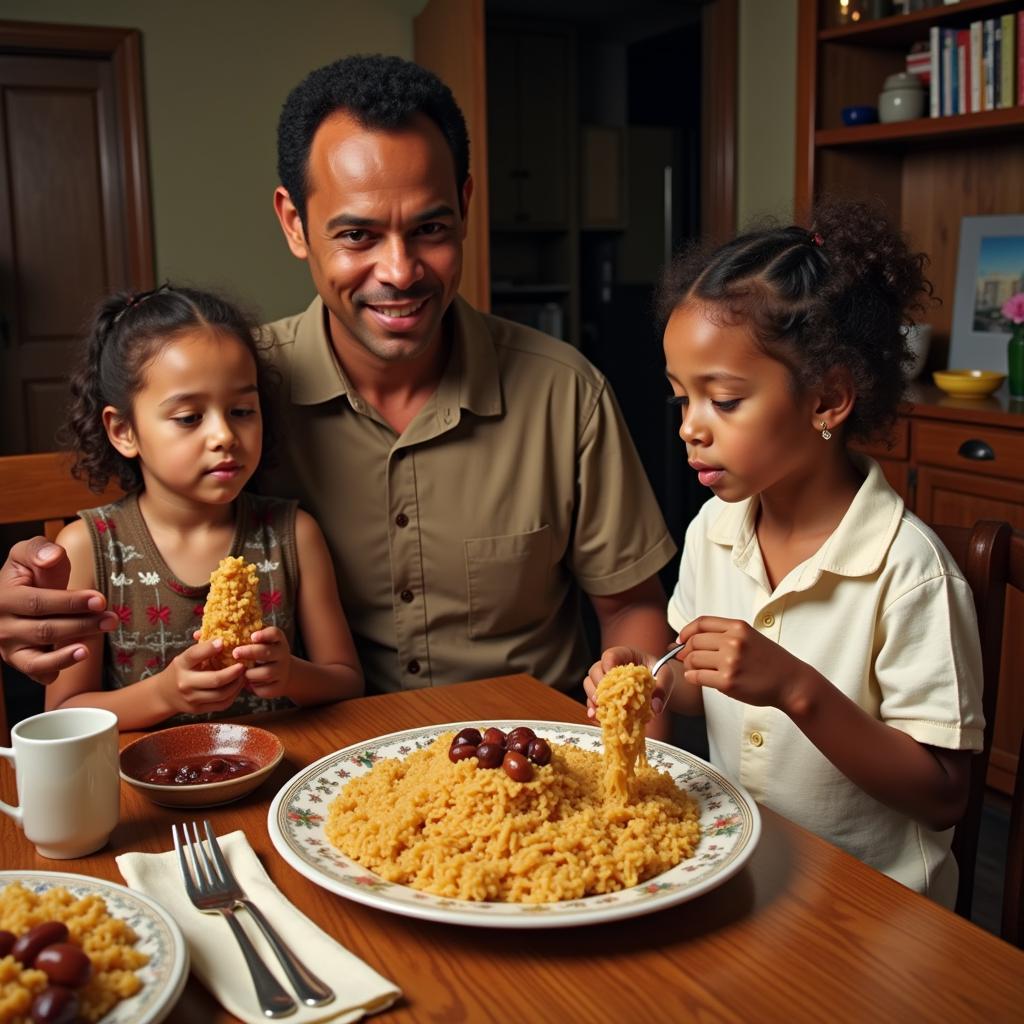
<point x="1013" y="308"/>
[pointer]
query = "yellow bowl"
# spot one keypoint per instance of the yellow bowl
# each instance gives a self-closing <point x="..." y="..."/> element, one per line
<point x="968" y="383"/>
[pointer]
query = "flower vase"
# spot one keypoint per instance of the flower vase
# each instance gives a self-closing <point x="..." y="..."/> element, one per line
<point x="1015" y="362"/>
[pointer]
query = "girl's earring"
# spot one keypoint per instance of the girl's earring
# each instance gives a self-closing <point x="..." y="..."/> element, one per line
<point x="825" y="432"/>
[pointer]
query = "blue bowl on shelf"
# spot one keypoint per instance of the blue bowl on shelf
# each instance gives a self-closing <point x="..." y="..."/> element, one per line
<point x="859" y="115"/>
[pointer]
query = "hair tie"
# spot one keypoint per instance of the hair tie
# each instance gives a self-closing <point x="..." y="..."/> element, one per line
<point x="140" y="297"/>
<point x="816" y="239"/>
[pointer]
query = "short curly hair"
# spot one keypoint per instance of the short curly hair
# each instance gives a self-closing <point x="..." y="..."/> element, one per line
<point x="379" y="92"/>
<point x="128" y="331"/>
<point x="838" y="293"/>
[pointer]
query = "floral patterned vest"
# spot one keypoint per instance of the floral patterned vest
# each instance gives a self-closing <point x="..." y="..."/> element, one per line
<point x="159" y="612"/>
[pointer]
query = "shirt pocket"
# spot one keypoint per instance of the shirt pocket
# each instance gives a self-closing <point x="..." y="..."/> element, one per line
<point x="507" y="580"/>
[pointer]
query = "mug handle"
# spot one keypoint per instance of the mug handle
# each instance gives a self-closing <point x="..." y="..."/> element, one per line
<point x="13" y="812"/>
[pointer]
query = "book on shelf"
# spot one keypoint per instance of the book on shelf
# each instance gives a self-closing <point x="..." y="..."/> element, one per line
<point x="976" y="68"/>
<point x="935" y="85"/>
<point x="1007" y="61"/>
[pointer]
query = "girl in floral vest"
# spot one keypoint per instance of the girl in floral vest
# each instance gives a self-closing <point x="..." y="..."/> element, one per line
<point x="171" y="400"/>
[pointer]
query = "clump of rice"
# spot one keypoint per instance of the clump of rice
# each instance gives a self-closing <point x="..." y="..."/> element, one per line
<point x="232" y="610"/>
<point x="463" y="832"/>
<point x="107" y="940"/>
<point x="623" y="709"/>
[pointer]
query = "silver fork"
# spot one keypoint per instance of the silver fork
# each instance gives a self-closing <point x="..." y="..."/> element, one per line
<point x="311" y="990"/>
<point x="210" y="894"/>
<point x="662" y="662"/>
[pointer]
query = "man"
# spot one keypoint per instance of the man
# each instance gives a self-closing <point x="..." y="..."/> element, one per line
<point x="471" y="475"/>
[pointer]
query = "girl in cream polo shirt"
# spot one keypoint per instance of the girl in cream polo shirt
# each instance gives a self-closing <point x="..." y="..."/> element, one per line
<point x="831" y="640"/>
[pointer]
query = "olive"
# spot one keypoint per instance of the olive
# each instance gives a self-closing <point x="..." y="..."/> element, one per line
<point x="471" y="736"/>
<point x="517" y="767"/>
<point x="538" y="751"/>
<point x="489" y="755"/>
<point x="461" y="751"/>
<point x="7" y="940"/>
<point x="27" y="947"/>
<point x="519" y="739"/>
<point x="495" y="736"/>
<point x="65" y="964"/>
<point x="55" y="1005"/>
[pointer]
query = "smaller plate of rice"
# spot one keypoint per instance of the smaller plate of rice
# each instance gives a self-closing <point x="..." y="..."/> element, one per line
<point x="393" y="824"/>
<point x="139" y="956"/>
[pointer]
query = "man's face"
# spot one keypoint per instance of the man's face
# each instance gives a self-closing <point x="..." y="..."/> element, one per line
<point x="383" y="235"/>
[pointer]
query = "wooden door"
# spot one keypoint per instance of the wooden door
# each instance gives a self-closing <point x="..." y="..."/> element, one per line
<point x="448" y="38"/>
<point x="74" y="210"/>
<point x="957" y="498"/>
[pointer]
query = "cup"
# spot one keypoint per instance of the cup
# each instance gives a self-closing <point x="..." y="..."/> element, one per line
<point x="69" y="787"/>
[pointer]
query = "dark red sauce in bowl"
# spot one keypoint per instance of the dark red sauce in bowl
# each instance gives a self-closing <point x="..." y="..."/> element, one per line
<point x="194" y="771"/>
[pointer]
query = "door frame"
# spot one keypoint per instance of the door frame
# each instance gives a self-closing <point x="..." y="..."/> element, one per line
<point x="122" y="47"/>
<point x="719" y="98"/>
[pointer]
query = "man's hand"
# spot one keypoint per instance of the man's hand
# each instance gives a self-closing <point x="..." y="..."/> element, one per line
<point x="40" y="619"/>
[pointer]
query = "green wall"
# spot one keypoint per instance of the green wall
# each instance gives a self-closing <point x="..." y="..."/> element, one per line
<point x="766" y="139"/>
<point x="216" y="75"/>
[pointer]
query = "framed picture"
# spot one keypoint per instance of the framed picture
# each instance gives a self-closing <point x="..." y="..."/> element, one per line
<point x="990" y="268"/>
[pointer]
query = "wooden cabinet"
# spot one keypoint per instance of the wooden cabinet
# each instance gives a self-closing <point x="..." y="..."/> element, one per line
<point x="930" y="172"/>
<point x="956" y="461"/>
<point x="529" y="127"/>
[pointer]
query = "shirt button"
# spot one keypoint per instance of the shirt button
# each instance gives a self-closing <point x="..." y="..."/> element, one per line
<point x="406" y="596"/>
<point x="401" y="519"/>
<point x="756" y="739"/>
<point x="768" y="620"/>
<point x="413" y="667"/>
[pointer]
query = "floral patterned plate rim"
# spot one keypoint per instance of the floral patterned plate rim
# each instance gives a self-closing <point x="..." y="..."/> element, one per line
<point x="160" y="937"/>
<point x="730" y="828"/>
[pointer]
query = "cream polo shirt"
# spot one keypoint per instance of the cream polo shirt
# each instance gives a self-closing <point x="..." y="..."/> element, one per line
<point x="461" y="545"/>
<point x="883" y="612"/>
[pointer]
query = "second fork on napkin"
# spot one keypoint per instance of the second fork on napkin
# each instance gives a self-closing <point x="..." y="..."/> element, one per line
<point x="219" y="964"/>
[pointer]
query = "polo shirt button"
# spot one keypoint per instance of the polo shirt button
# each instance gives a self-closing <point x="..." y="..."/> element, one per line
<point x="406" y="596"/>
<point x="756" y="739"/>
<point x="413" y="666"/>
<point x="768" y="620"/>
<point x="401" y="519"/>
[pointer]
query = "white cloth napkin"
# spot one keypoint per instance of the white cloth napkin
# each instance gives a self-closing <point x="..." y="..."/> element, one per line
<point x="217" y="959"/>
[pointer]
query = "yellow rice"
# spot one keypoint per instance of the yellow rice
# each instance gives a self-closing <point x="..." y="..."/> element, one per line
<point x="463" y="832"/>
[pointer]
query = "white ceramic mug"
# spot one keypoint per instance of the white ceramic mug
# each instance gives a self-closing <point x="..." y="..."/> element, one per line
<point x="69" y="787"/>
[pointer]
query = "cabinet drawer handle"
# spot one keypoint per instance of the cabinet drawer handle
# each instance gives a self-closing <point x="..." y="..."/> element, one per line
<point x="977" y="450"/>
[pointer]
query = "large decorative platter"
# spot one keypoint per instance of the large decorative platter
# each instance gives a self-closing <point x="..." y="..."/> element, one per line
<point x="160" y="938"/>
<point x="729" y="821"/>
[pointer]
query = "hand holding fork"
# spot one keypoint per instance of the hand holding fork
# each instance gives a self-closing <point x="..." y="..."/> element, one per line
<point x="214" y="889"/>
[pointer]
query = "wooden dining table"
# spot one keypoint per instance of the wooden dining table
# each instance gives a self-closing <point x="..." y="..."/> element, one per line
<point x="804" y="932"/>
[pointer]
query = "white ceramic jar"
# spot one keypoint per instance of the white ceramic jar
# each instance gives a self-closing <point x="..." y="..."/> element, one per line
<point x="902" y="98"/>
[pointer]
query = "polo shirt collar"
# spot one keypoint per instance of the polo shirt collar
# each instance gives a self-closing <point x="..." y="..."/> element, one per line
<point x="316" y="375"/>
<point x="471" y="378"/>
<point x="856" y="548"/>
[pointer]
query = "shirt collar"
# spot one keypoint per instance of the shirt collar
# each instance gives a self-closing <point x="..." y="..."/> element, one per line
<point x="857" y="546"/>
<point x="471" y="379"/>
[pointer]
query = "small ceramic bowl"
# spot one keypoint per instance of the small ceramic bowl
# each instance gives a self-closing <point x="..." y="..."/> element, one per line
<point x="200" y="740"/>
<point x="859" y="115"/>
<point x="968" y="383"/>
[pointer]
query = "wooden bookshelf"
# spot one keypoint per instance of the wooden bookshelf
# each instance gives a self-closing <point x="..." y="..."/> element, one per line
<point x="930" y="172"/>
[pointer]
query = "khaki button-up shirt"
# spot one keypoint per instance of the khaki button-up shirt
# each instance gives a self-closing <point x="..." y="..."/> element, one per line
<point x="460" y="545"/>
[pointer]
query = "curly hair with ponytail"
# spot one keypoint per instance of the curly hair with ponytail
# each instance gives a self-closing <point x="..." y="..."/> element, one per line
<point x="128" y="331"/>
<point x="837" y="294"/>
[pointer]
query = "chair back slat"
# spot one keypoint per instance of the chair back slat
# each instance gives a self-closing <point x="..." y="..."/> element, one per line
<point x="982" y="552"/>
<point x="40" y="489"/>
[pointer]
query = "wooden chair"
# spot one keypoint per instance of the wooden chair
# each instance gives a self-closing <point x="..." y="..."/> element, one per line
<point x="983" y="554"/>
<point x="1013" y="879"/>
<point x="41" y="489"/>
